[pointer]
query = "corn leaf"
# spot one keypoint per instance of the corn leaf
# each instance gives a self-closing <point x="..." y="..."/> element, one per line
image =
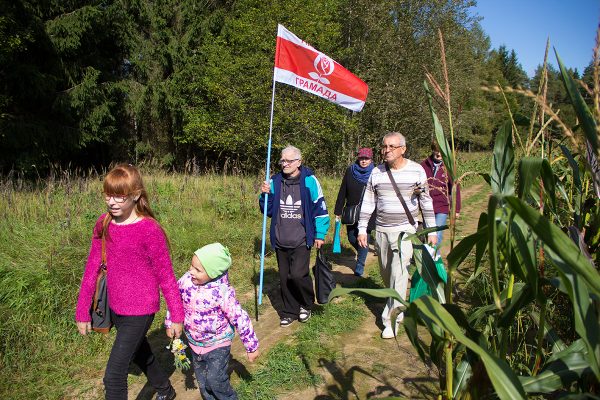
<point x="584" y="115"/>
<point x="530" y="169"/>
<point x="555" y="239"/>
<point x="380" y="293"/>
<point x="522" y="296"/>
<point x="462" y="374"/>
<point x="523" y="252"/>
<point x="503" y="162"/>
<point x="439" y="136"/>
<point x="584" y="312"/>
<point x="562" y="369"/>
<point x="576" y="186"/>
<point x="549" y="333"/>
<point x="493" y="248"/>
<point x="504" y="380"/>
<point x="464" y="247"/>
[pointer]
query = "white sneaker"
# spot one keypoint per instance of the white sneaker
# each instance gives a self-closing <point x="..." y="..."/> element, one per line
<point x="387" y="333"/>
<point x="304" y="315"/>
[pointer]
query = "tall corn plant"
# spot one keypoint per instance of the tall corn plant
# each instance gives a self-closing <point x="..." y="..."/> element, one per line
<point x="517" y="238"/>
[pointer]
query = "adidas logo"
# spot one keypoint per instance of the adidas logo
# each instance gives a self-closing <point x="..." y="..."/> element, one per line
<point x="290" y="208"/>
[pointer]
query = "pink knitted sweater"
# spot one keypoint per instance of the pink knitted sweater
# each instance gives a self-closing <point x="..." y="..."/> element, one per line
<point x="138" y="265"/>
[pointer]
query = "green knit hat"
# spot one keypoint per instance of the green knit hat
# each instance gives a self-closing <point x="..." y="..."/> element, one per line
<point x="215" y="259"/>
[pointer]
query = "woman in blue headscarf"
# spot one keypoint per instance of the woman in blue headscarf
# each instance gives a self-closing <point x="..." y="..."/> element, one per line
<point x="350" y="194"/>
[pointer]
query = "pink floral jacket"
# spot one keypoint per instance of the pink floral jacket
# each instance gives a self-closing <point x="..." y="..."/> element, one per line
<point x="212" y="313"/>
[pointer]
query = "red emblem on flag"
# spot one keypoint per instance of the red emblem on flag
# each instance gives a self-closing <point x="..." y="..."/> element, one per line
<point x="302" y="66"/>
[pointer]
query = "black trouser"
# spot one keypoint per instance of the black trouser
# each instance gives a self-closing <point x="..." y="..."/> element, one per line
<point x="294" y="276"/>
<point x="131" y="344"/>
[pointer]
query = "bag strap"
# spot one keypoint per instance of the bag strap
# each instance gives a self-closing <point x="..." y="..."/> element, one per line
<point x="102" y="272"/>
<point x="408" y="214"/>
<point x="103" y="253"/>
<point x="362" y="195"/>
<point x="104" y="233"/>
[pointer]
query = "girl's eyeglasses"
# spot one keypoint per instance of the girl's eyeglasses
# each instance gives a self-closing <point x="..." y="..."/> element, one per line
<point x="117" y="198"/>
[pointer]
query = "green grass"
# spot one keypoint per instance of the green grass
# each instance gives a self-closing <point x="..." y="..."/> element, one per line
<point x="45" y="234"/>
<point x="478" y="162"/>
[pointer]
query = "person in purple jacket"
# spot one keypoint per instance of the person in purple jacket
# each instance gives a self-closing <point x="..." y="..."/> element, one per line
<point x="440" y="189"/>
<point x="212" y="313"/>
<point x="138" y="266"/>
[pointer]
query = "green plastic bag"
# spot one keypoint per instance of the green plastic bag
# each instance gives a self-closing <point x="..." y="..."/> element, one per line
<point x="419" y="287"/>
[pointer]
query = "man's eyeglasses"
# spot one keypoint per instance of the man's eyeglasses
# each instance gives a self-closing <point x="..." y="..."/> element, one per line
<point x="287" y="162"/>
<point x="117" y="197"/>
<point x="390" y="146"/>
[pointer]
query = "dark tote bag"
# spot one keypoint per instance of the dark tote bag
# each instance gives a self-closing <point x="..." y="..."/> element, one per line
<point x="350" y="214"/>
<point x="324" y="280"/>
<point x="100" y="311"/>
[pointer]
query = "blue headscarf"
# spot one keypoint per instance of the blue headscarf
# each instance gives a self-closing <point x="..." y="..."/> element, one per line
<point x="362" y="174"/>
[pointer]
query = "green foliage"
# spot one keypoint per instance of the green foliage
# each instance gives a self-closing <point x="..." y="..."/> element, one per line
<point x="59" y="93"/>
<point x="89" y="83"/>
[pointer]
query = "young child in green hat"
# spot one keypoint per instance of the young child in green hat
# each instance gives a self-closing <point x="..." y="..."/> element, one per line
<point x="212" y="313"/>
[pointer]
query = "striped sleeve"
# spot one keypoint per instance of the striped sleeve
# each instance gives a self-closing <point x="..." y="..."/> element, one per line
<point x="380" y="193"/>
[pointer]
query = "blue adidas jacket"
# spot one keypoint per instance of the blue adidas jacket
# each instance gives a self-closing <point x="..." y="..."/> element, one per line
<point x="313" y="206"/>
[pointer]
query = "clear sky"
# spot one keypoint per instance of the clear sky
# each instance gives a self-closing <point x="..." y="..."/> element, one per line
<point x="525" y="25"/>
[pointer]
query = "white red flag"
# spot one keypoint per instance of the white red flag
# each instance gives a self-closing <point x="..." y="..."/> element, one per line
<point x="299" y="64"/>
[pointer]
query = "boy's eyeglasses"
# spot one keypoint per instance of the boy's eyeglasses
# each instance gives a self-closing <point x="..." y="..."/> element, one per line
<point x="117" y="198"/>
<point x="287" y="162"/>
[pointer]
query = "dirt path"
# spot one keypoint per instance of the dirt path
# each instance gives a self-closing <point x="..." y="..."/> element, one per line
<point x="367" y="366"/>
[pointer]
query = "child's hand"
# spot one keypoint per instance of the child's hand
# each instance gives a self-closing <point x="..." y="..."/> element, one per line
<point x="84" y="327"/>
<point x="175" y="330"/>
<point x="253" y="356"/>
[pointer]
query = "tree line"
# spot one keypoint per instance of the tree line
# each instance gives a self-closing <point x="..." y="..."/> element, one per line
<point x="187" y="84"/>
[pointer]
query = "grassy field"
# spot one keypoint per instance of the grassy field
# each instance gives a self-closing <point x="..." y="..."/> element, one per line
<point x="45" y="232"/>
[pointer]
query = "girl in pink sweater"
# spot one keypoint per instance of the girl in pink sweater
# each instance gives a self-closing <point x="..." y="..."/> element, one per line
<point x="138" y="267"/>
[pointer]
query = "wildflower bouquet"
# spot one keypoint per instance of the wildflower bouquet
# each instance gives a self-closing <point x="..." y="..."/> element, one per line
<point x="177" y="347"/>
